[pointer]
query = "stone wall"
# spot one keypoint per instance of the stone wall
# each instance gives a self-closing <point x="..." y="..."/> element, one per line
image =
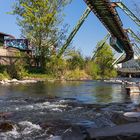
<point x="8" y="55"/>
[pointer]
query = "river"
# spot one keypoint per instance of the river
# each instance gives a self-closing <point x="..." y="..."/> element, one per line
<point x="46" y="109"/>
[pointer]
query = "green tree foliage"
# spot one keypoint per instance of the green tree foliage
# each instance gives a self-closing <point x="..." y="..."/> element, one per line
<point x="39" y="21"/>
<point x="56" y="67"/>
<point x="101" y="67"/>
<point x="92" y="69"/>
<point x="17" y="70"/>
<point x="104" y="59"/>
<point x="75" y="60"/>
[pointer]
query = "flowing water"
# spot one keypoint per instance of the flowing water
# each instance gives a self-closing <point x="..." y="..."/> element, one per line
<point x="42" y="110"/>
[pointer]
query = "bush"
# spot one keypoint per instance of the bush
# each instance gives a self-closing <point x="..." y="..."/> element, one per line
<point x="56" y="67"/>
<point x="1" y="76"/>
<point x="92" y="69"/>
<point x="4" y="75"/>
<point x="76" y="75"/>
<point x="2" y="68"/>
<point x="17" y="70"/>
<point x="76" y="61"/>
<point x="38" y="76"/>
<point x="110" y="74"/>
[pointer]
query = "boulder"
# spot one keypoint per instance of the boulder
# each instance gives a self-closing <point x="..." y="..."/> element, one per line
<point x="132" y="114"/>
<point x="14" y="81"/>
<point x="6" y="126"/>
<point x="116" y="131"/>
<point x="121" y="119"/>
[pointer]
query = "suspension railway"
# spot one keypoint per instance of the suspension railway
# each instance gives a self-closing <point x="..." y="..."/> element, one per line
<point x="107" y="14"/>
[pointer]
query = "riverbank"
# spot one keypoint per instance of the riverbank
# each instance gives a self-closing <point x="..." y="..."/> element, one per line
<point x="35" y="79"/>
<point x="15" y="81"/>
<point x="69" y="75"/>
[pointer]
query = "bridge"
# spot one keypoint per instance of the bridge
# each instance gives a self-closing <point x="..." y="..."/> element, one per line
<point x="108" y="15"/>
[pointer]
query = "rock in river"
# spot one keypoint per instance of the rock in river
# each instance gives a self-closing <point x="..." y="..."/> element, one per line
<point x="6" y="126"/>
<point x="132" y="114"/>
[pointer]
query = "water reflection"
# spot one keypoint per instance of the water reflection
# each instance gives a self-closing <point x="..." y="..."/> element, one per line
<point x="103" y="93"/>
<point x="85" y="91"/>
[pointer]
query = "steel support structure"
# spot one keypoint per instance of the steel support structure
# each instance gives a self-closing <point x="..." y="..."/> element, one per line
<point x="101" y="45"/>
<point x="136" y="50"/>
<point x="133" y="35"/>
<point x="118" y="59"/>
<point x="128" y="12"/>
<point x="73" y="33"/>
<point x="135" y="46"/>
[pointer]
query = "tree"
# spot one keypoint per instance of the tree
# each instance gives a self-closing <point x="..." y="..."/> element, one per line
<point x="56" y="67"/>
<point x="39" y="21"/>
<point x="92" y="69"/>
<point x="76" y="60"/>
<point x="104" y="59"/>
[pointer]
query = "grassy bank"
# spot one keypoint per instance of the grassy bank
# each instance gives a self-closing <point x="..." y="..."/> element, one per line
<point x="68" y="75"/>
<point x="75" y="74"/>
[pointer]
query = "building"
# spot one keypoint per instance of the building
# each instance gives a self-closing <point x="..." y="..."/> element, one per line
<point x="7" y="54"/>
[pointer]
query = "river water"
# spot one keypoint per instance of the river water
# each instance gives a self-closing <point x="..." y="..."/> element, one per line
<point x="44" y="110"/>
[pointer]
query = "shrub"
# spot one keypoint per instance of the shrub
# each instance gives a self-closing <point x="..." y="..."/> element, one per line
<point x="17" y="70"/>
<point x="76" y="75"/>
<point x="92" y="69"/>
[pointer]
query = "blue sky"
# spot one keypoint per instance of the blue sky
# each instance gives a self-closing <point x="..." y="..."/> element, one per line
<point x="87" y="37"/>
